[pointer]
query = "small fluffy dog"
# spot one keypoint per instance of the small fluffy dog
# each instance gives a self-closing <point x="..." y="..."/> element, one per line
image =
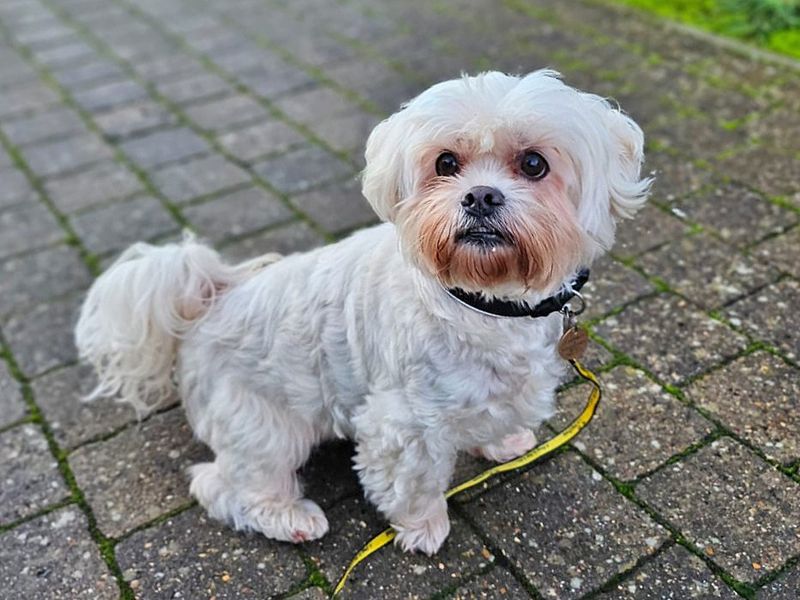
<point x="499" y="186"/>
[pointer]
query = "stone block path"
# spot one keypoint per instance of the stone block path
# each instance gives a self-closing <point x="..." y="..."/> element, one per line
<point x="245" y="120"/>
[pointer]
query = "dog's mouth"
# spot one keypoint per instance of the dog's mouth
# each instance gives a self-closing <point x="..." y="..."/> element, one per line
<point x="483" y="236"/>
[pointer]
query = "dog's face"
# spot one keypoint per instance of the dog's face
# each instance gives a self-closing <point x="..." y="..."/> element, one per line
<point x="503" y="184"/>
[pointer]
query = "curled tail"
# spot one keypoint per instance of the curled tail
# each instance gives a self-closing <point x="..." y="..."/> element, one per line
<point x="137" y="311"/>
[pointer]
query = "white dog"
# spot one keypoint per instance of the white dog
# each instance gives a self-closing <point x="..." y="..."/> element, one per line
<point x="495" y="190"/>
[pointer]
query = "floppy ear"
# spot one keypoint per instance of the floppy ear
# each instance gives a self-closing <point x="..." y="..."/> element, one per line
<point x="627" y="192"/>
<point x="382" y="180"/>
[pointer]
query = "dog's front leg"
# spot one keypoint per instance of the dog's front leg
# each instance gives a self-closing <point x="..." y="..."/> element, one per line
<point x="405" y="473"/>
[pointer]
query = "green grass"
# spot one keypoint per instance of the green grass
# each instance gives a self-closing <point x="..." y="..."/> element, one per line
<point x="770" y="24"/>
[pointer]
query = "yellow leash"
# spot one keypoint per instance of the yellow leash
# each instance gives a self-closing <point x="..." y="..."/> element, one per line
<point x="554" y="443"/>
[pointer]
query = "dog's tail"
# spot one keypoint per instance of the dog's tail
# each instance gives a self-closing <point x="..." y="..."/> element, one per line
<point x="137" y="311"/>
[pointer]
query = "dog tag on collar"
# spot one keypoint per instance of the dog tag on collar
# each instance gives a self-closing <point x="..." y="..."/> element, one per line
<point x="573" y="343"/>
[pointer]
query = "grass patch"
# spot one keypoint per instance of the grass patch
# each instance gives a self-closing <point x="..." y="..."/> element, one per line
<point x="770" y="24"/>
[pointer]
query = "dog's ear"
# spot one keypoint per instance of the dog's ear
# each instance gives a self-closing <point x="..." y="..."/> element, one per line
<point x="382" y="180"/>
<point x="627" y="190"/>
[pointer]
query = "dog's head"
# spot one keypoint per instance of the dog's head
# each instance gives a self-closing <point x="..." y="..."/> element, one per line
<point x="505" y="184"/>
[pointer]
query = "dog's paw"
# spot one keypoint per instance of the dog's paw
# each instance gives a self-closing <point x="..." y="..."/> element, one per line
<point x="307" y="521"/>
<point x="301" y="521"/>
<point x="424" y="535"/>
<point x="511" y="446"/>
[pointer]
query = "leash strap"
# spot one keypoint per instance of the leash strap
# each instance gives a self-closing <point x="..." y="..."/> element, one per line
<point x="551" y="445"/>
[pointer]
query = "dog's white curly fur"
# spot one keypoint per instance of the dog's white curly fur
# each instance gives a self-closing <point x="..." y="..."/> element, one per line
<point x="358" y="339"/>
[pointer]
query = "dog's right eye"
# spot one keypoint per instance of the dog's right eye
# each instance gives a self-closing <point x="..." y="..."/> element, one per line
<point x="446" y="164"/>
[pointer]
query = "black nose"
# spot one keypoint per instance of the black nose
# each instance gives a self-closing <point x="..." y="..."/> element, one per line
<point x="482" y="200"/>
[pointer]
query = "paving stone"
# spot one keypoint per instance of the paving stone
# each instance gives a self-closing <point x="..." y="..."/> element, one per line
<point x="237" y="213"/>
<point x="192" y="556"/>
<point x="25" y="99"/>
<point x="16" y="188"/>
<point x="118" y="225"/>
<point x="41" y="337"/>
<point x="295" y="237"/>
<point x="670" y="338"/>
<point x="565" y="527"/>
<point x="168" y="67"/>
<point x="99" y="184"/>
<point x="736" y="507"/>
<point x="274" y="82"/>
<point x="201" y="86"/>
<point x="781" y="251"/>
<point x="766" y="169"/>
<point x="703" y="135"/>
<point x="637" y="427"/>
<point x="27" y="227"/>
<point x="54" y="158"/>
<point x="151" y="458"/>
<point x="345" y="132"/>
<point x="770" y="315"/>
<point x="62" y="55"/>
<point x="302" y="169"/>
<point x="43" y="35"/>
<point x="30" y="475"/>
<point x="218" y="115"/>
<point x="134" y="45"/>
<point x="320" y="50"/>
<point x="353" y="522"/>
<point x="775" y="129"/>
<point x="676" y="176"/>
<point x="736" y="214"/>
<point x="163" y="147"/>
<point x="199" y="177"/>
<point x="388" y="94"/>
<point x="612" y="285"/>
<point x="109" y="95"/>
<point x="311" y="105"/>
<point x="54" y="557"/>
<point x="5" y="159"/>
<point x="238" y="55"/>
<point x="205" y="33"/>
<point x="362" y="75"/>
<point x="17" y="74"/>
<point x="498" y="583"/>
<point x="337" y="208"/>
<point x="73" y="421"/>
<point x="650" y="228"/>
<point x="40" y="126"/>
<point x="675" y="574"/>
<point x="12" y="405"/>
<point x="81" y="76"/>
<point x="708" y="272"/>
<point x="134" y="119"/>
<point x="262" y="139"/>
<point x="783" y="588"/>
<point x="33" y="278"/>
<point x="758" y="397"/>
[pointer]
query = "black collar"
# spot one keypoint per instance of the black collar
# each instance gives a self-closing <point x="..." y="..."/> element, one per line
<point x="507" y="308"/>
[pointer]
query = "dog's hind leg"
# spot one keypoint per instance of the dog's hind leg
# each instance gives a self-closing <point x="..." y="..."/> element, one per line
<point x="253" y="483"/>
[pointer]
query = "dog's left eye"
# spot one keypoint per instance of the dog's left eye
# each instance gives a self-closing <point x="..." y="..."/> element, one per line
<point x="446" y="164"/>
<point x="534" y="165"/>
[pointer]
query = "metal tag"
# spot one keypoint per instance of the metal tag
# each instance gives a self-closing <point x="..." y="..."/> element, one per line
<point x="573" y="343"/>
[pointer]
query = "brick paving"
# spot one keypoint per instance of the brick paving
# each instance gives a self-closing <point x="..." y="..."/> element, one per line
<point x="245" y="120"/>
